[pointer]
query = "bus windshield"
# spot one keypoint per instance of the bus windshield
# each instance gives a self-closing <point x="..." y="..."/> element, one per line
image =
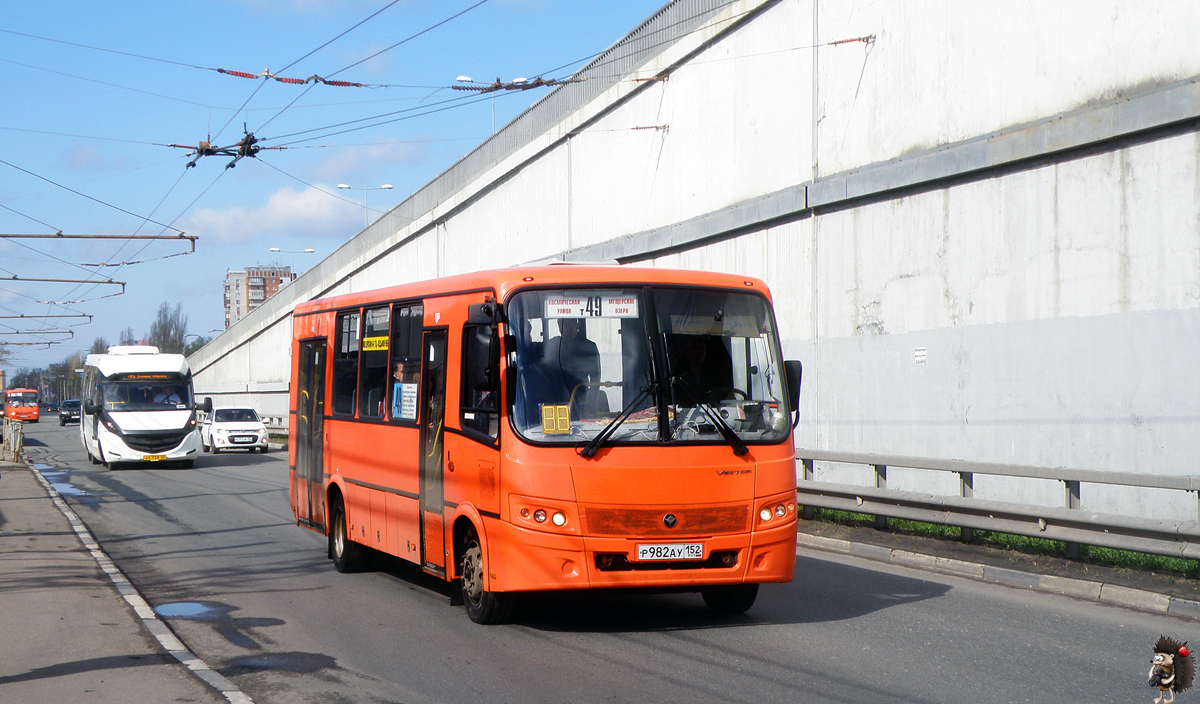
<point x="703" y="366"/>
<point x="22" y="398"/>
<point x="146" y="396"/>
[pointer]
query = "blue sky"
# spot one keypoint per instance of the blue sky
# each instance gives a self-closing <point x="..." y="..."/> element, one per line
<point x="94" y="91"/>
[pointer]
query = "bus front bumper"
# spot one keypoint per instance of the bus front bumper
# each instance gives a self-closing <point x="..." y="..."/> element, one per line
<point x="115" y="449"/>
<point x="525" y="560"/>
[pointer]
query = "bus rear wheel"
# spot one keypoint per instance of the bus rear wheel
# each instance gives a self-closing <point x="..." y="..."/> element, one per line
<point x="482" y="606"/>
<point x="348" y="556"/>
<point x="730" y="598"/>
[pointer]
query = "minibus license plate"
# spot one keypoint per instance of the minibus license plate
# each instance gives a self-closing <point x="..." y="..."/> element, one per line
<point x="683" y="551"/>
<point x="153" y="458"/>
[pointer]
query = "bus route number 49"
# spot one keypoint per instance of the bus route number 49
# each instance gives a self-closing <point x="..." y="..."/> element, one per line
<point x="684" y="551"/>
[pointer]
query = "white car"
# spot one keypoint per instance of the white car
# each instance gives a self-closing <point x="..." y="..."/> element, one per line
<point x="233" y="429"/>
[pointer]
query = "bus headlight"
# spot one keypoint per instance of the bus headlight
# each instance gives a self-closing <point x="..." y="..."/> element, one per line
<point x="776" y="510"/>
<point x="545" y="514"/>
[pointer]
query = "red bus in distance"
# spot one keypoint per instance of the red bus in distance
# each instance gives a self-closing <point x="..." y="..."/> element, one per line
<point x="22" y="405"/>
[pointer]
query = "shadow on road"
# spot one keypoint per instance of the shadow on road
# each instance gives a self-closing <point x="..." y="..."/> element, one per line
<point x="823" y="590"/>
<point x="112" y="662"/>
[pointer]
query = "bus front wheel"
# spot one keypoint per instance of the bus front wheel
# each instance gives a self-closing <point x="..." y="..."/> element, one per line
<point x="348" y="556"/>
<point x="730" y="598"/>
<point x="482" y="606"/>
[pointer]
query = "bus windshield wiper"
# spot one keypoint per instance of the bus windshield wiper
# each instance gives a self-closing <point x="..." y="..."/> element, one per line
<point x="730" y="435"/>
<point x="602" y="437"/>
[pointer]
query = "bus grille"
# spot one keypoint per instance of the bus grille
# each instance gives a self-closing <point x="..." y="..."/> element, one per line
<point x="155" y="442"/>
<point x="692" y="520"/>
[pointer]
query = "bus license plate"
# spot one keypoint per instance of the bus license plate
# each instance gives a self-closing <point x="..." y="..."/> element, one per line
<point x="153" y="458"/>
<point x="682" y="551"/>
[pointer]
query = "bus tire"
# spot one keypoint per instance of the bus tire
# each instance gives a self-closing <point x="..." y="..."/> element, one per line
<point x="730" y="598"/>
<point x="482" y="606"/>
<point x="348" y="556"/>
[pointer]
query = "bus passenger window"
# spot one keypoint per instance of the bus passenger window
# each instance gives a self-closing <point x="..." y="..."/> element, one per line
<point x="405" y="381"/>
<point x="345" y="364"/>
<point x="480" y="402"/>
<point x="373" y="384"/>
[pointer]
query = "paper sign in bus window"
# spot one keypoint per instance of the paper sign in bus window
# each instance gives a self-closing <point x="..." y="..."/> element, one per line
<point x="556" y="419"/>
<point x="597" y="306"/>
<point x="404" y="401"/>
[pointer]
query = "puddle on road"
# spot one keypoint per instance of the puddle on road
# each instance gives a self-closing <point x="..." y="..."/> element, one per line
<point x="42" y="467"/>
<point x="63" y="488"/>
<point x="236" y="630"/>
<point x="193" y="611"/>
<point x="304" y="663"/>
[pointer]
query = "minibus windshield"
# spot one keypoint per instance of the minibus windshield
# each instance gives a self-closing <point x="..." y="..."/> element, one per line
<point x="158" y="395"/>
<point x="665" y="360"/>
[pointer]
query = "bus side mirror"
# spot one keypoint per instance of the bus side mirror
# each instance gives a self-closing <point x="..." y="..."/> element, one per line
<point x="89" y="407"/>
<point x="794" y="371"/>
<point x="486" y="313"/>
<point x="206" y="405"/>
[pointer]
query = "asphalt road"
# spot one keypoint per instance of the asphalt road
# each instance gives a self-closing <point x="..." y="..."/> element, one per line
<point x="215" y="550"/>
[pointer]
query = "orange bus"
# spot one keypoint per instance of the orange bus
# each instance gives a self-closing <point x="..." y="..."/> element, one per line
<point x="551" y="428"/>
<point x="22" y="404"/>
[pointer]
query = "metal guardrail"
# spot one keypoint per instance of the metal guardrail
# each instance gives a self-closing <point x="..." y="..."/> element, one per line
<point x="14" y="439"/>
<point x="1070" y="523"/>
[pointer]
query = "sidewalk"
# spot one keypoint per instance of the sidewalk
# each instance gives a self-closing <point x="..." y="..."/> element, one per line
<point x="70" y="634"/>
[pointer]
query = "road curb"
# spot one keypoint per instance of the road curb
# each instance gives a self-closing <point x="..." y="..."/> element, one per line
<point x="146" y="616"/>
<point x="1102" y="592"/>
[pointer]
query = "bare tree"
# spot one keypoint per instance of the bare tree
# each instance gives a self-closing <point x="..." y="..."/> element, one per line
<point x="99" y="346"/>
<point x="127" y="336"/>
<point x="169" y="331"/>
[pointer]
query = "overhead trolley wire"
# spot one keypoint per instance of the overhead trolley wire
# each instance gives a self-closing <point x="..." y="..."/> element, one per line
<point x="84" y="195"/>
<point x="356" y="26"/>
<point x="378" y="53"/>
<point x="410" y="38"/>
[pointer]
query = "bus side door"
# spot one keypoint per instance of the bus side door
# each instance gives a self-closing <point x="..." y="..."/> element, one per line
<point x="433" y="428"/>
<point x="309" y="484"/>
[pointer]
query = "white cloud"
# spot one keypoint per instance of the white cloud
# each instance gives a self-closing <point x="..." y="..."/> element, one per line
<point x="382" y="158"/>
<point x="81" y="157"/>
<point x="307" y="213"/>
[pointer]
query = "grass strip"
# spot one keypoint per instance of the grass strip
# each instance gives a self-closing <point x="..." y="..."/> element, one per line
<point x="1106" y="557"/>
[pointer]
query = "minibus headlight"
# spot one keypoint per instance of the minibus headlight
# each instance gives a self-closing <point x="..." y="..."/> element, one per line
<point x="559" y="518"/>
<point x="765" y="514"/>
<point x="780" y="511"/>
<point x="539" y="516"/>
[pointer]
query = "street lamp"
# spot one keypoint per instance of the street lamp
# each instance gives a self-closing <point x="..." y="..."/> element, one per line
<point x="490" y="88"/>
<point x="292" y="252"/>
<point x="366" y="210"/>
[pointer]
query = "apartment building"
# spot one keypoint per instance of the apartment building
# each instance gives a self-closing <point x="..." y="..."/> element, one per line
<point x="246" y="289"/>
